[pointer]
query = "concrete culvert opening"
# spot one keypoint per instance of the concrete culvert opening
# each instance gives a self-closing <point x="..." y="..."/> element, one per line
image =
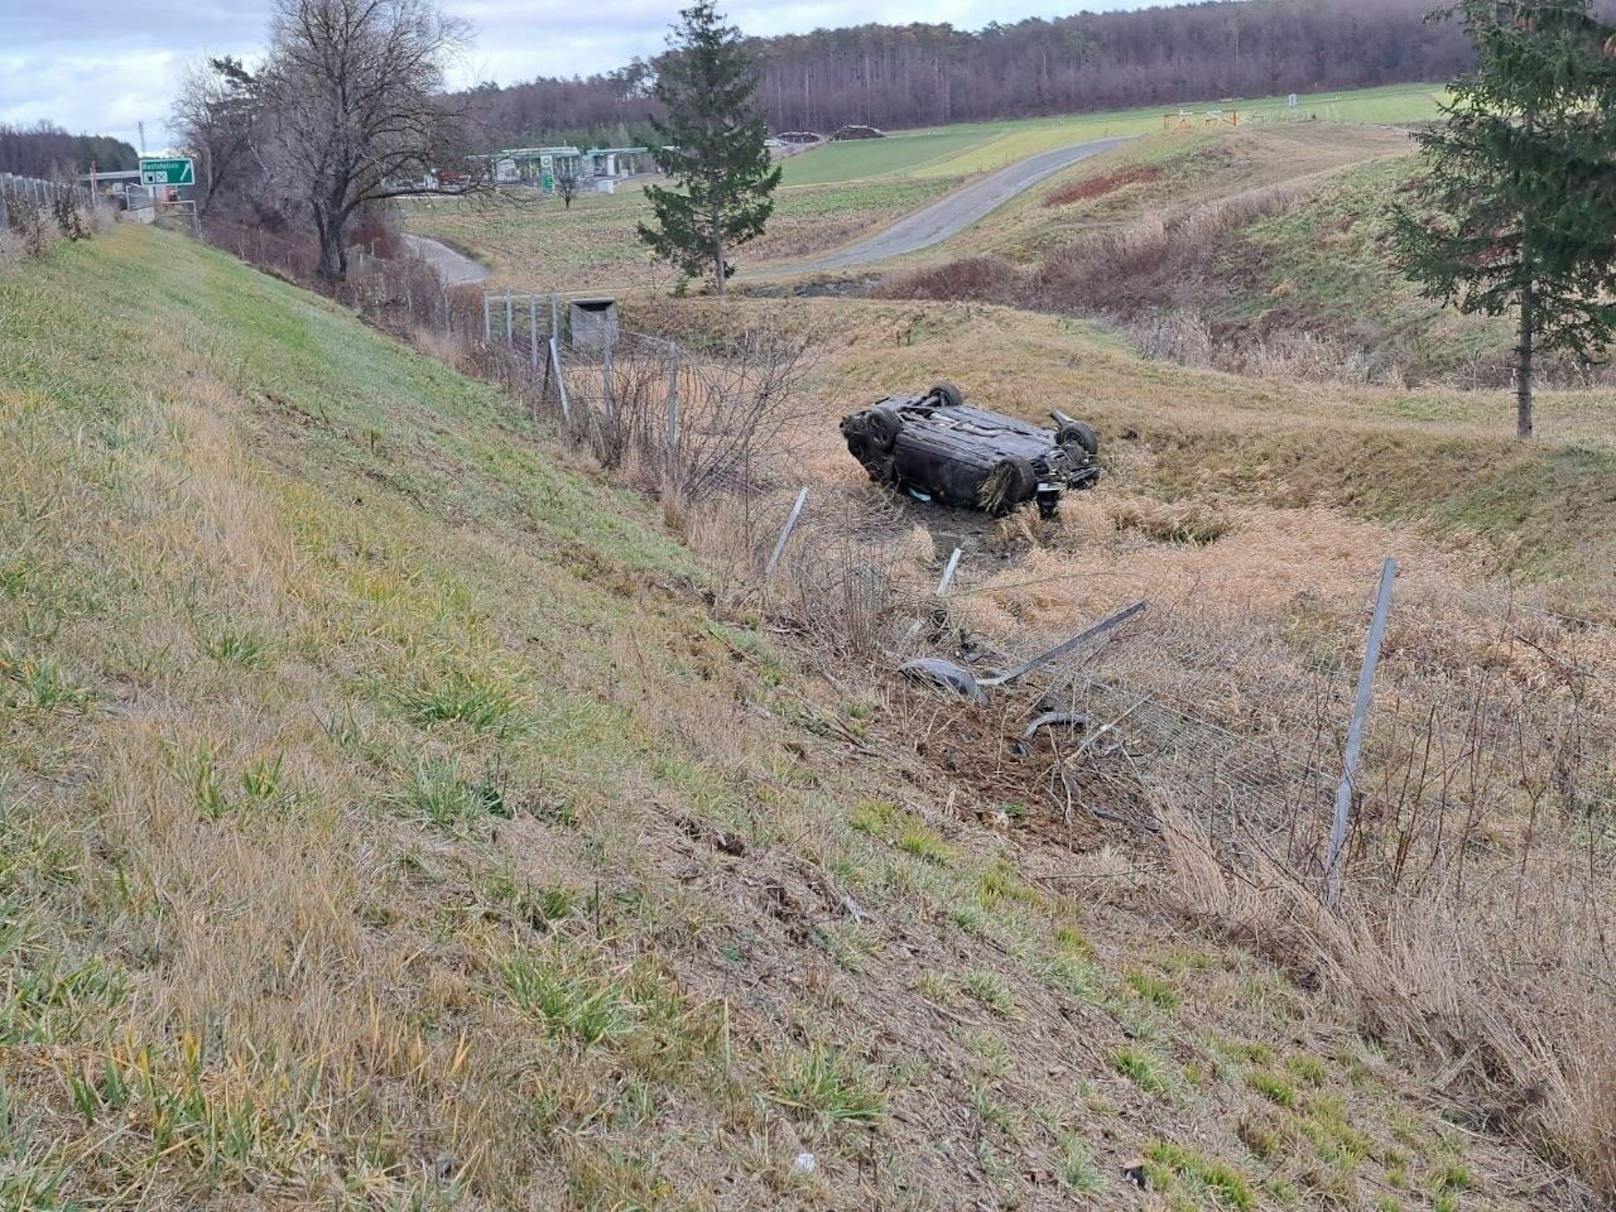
<point x="593" y="323"/>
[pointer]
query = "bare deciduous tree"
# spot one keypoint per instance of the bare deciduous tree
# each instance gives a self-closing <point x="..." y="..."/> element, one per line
<point x="358" y="113"/>
<point x="217" y="114"/>
<point x="566" y="185"/>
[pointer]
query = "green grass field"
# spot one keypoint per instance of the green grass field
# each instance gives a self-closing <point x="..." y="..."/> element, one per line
<point x="830" y="196"/>
<point x="531" y="240"/>
<point x="961" y="150"/>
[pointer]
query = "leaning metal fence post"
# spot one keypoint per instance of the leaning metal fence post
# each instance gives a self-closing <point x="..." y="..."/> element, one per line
<point x="785" y="534"/>
<point x="1360" y="711"/>
<point x="671" y="455"/>
<point x="948" y="573"/>
<point x="561" y="380"/>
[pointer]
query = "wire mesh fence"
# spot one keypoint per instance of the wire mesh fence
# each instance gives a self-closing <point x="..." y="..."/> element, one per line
<point x="1502" y="755"/>
<point x="1236" y="719"/>
<point x="23" y="198"/>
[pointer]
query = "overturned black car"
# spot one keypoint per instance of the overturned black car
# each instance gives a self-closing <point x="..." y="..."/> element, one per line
<point x="937" y="447"/>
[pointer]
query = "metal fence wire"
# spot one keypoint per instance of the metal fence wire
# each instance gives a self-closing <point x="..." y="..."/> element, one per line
<point x="1240" y="726"/>
<point x="21" y="196"/>
<point x="685" y="419"/>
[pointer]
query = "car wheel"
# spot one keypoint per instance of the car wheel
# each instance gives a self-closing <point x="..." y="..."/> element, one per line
<point x="881" y="428"/>
<point x="1080" y="433"/>
<point x="948" y="394"/>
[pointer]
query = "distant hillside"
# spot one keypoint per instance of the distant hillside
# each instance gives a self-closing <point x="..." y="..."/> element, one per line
<point x="49" y="151"/>
<point x="921" y="75"/>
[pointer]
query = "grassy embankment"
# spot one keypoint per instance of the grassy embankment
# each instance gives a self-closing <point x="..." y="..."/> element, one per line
<point x="388" y="823"/>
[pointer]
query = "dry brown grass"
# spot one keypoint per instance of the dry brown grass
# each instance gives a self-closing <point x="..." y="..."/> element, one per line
<point x="681" y="811"/>
<point x="1464" y="880"/>
<point x="1507" y="989"/>
<point x="1098" y="186"/>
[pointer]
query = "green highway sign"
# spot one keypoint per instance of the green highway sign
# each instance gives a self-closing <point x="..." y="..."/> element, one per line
<point x="176" y="171"/>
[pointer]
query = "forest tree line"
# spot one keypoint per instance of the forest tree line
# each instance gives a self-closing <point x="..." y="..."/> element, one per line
<point x="897" y="76"/>
<point x="48" y="151"/>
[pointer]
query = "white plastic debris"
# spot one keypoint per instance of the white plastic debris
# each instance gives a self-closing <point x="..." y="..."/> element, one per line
<point x="806" y="1163"/>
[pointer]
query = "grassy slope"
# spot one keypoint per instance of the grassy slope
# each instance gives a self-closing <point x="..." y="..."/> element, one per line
<point x="1444" y="462"/>
<point x="387" y="823"/>
<point x="982" y="146"/>
<point x="1319" y="265"/>
<point x="1169" y="171"/>
<point x="1323" y="266"/>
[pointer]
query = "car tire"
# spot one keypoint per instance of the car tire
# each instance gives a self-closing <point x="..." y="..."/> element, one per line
<point x="948" y="394"/>
<point x="881" y="428"/>
<point x="1080" y="433"/>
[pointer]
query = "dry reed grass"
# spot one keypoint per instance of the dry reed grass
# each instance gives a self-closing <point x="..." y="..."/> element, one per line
<point x="1508" y="993"/>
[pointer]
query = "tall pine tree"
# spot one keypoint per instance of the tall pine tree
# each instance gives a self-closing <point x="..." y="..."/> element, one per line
<point x="1516" y="207"/>
<point x="714" y="148"/>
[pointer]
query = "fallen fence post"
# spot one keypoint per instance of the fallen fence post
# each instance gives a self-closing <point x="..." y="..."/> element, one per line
<point x="1360" y="711"/>
<point x="966" y="684"/>
<point x="791" y="524"/>
<point x="1071" y="645"/>
<point x="948" y="573"/>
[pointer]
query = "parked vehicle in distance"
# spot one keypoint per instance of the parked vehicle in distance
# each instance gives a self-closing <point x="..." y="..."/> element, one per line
<point x="938" y="448"/>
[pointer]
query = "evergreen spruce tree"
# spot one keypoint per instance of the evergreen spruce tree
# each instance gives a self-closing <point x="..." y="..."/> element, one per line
<point x="1516" y="207"/>
<point x="714" y="148"/>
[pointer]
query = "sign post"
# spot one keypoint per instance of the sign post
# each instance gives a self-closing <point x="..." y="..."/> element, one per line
<point x="547" y="173"/>
<point x="176" y="170"/>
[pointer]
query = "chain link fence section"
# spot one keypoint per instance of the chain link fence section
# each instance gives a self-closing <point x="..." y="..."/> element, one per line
<point x="683" y="421"/>
<point x="21" y="196"/>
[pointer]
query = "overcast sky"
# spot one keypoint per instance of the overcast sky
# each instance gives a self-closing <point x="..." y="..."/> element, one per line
<point x="104" y="65"/>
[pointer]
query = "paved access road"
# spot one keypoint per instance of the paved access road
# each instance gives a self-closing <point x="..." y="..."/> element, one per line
<point x="454" y="269"/>
<point x="950" y="215"/>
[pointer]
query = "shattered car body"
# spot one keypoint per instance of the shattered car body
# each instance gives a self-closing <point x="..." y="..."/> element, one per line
<point x="937" y="447"/>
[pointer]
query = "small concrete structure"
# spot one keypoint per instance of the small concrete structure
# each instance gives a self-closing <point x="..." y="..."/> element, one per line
<point x="618" y="161"/>
<point x="593" y="323"/>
